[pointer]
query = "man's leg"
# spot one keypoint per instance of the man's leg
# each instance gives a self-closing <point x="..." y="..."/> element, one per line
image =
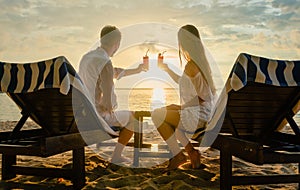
<point x="126" y="120"/>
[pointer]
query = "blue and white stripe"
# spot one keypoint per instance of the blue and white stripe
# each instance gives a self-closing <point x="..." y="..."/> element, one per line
<point x="29" y="77"/>
<point x="250" y="68"/>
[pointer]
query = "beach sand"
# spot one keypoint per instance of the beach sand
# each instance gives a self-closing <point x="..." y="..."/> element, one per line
<point x="101" y="174"/>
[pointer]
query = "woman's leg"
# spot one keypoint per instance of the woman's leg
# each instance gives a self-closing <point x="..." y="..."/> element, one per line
<point x="189" y="148"/>
<point x="166" y="121"/>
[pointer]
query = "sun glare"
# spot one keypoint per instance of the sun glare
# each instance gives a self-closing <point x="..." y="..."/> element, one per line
<point x="158" y="98"/>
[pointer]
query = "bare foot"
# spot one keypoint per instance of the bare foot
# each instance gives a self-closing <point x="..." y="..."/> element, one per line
<point x="179" y="159"/>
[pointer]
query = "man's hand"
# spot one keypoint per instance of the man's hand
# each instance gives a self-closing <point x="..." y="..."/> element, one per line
<point x="142" y="67"/>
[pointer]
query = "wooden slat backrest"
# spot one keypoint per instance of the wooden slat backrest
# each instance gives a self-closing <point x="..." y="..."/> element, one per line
<point x="257" y="107"/>
<point x="48" y="108"/>
<point x="57" y="113"/>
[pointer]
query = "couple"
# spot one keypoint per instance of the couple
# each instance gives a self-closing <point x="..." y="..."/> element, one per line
<point x="174" y="121"/>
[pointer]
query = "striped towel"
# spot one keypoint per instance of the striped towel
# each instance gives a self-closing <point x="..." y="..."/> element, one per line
<point x="29" y="77"/>
<point x="250" y="68"/>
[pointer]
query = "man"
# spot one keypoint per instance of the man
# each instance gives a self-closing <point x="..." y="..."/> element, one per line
<point x="97" y="73"/>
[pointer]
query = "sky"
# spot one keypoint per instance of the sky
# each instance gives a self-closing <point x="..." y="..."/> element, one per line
<point x="34" y="30"/>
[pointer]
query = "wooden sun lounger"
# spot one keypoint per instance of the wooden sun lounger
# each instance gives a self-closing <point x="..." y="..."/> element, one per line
<point x="58" y="134"/>
<point x="255" y="113"/>
<point x="65" y="119"/>
<point x="250" y="133"/>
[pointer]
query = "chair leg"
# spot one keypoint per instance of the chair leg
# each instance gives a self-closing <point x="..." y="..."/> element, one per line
<point x="78" y="168"/>
<point x="225" y="170"/>
<point x="299" y="174"/>
<point x="138" y="141"/>
<point x="7" y="170"/>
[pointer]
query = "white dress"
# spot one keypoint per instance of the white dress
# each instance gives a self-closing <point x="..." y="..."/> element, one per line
<point x="198" y="113"/>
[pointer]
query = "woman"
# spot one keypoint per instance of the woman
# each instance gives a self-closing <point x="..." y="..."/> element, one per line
<point x="197" y="93"/>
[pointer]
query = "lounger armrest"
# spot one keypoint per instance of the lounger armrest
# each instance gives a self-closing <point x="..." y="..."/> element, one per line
<point x="24" y="134"/>
<point x="288" y="138"/>
<point x="244" y="149"/>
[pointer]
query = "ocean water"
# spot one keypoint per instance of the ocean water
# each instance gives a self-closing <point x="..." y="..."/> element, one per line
<point x="8" y="109"/>
<point x="128" y="99"/>
<point x="146" y="99"/>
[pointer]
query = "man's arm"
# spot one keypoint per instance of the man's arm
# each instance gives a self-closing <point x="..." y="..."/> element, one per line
<point x="119" y="72"/>
<point x="107" y="87"/>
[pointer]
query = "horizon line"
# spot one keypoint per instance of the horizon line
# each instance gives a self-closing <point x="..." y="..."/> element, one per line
<point x="140" y="88"/>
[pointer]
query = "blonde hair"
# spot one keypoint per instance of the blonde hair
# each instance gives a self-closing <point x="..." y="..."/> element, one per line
<point x="189" y="40"/>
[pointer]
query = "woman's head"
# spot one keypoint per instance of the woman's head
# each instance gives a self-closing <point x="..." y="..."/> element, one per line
<point x="188" y="38"/>
<point x="192" y="49"/>
<point x="191" y="29"/>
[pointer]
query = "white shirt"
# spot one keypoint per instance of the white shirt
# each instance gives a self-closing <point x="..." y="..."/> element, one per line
<point x="190" y="88"/>
<point x="90" y="69"/>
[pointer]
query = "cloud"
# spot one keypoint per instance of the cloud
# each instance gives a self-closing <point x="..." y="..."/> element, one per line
<point x="191" y="4"/>
<point x="287" y="6"/>
<point x="289" y="41"/>
<point x="65" y="27"/>
<point x="295" y="37"/>
<point x="260" y="39"/>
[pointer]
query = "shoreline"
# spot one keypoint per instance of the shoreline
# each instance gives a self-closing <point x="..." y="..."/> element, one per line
<point x="101" y="174"/>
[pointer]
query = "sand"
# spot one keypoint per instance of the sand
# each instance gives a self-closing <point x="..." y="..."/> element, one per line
<point x="101" y="174"/>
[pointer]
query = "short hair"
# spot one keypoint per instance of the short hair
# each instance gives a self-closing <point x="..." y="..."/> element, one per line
<point x="109" y="35"/>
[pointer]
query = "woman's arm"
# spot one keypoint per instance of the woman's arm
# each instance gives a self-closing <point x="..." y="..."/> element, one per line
<point x="191" y="69"/>
<point x="171" y="73"/>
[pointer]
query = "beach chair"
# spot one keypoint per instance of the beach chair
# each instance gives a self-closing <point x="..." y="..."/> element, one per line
<point x="262" y="95"/>
<point x="52" y="95"/>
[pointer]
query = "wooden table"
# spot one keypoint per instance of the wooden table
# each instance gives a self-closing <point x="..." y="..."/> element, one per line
<point x="138" y="141"/>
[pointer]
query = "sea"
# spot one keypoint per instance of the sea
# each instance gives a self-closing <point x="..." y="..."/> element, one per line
<point x="135" y="99"/>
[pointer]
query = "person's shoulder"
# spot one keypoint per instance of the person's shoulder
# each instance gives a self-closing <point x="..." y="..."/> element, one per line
<point x="109" y="65"/>
<point x="191" y="69"/>
<point x="96" y="56"/>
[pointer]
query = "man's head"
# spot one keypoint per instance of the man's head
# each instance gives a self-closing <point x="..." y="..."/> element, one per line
<point x="110" y="38"/>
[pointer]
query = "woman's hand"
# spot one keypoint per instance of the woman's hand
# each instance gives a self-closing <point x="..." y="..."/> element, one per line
<point x="163" y="66"/>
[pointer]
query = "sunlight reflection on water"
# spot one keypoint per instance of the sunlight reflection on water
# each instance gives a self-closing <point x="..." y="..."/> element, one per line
<point x="146" y="99"/>
<point x="130" y="99"/>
